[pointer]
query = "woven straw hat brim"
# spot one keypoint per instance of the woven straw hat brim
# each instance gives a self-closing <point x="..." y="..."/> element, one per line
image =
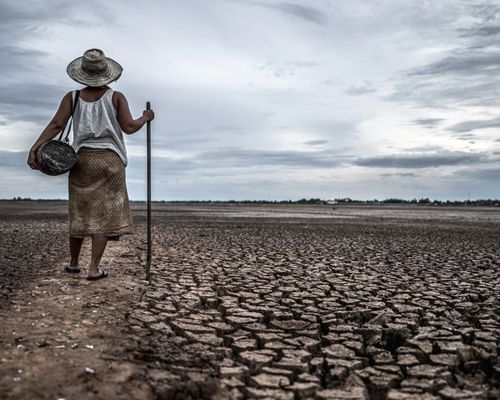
<point x="75" y="72"/>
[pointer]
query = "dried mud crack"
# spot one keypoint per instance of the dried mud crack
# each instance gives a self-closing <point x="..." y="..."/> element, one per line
<point x="309" y="310"/>
<point x="263" y="308"/>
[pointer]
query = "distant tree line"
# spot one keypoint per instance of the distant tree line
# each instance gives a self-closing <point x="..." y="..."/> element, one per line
<point x="312" y="201"/>
<point x="346" y="200"/>
<point x="18" y="198"/>
<point x="423" y="201"/>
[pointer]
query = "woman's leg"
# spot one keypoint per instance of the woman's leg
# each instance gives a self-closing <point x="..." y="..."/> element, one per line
<point x="75" y="246"/>
<point x="98" y="245"/>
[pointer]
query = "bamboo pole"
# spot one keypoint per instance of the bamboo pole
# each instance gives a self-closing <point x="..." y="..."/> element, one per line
<point x="150" y="243"/>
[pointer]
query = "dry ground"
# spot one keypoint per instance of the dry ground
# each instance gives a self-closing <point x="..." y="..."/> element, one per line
<point x="62" y="336"/>
<point x="257" y="302"/>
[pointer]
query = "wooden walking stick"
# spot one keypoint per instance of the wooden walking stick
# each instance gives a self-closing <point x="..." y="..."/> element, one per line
<point x="150" y="243"/>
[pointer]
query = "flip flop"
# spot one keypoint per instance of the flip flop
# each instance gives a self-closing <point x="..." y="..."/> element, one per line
<point x="102" y="275"/>
<point x="71" y="270"/>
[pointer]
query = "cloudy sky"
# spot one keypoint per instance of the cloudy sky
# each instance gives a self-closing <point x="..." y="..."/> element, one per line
<point x="271" y="99"/>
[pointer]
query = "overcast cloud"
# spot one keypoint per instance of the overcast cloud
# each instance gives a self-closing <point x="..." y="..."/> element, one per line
<point x="267" y="99"/>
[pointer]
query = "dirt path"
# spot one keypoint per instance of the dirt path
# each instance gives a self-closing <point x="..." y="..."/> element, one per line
<point x="64" y="337"/>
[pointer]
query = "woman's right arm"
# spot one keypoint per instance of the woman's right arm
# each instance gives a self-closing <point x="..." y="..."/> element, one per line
<point x="55" y="126"/>
<point x="128" y="124"/>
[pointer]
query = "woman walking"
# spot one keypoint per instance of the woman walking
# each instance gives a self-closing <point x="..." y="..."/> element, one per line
<point x="98" y="200"/>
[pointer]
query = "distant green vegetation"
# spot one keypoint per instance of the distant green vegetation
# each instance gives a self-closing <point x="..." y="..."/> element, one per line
<point x="35" y="200"/>
<point x="421" y="201"/>
<point x="311" y="201"/>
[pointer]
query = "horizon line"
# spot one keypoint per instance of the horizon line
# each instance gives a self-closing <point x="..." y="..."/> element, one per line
<point x="342" y="200"/>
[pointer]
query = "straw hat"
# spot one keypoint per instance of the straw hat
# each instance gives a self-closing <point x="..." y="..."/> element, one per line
<point x="94" y="69"/>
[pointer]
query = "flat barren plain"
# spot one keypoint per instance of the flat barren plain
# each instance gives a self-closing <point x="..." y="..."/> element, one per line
<point x="255" y="302"/>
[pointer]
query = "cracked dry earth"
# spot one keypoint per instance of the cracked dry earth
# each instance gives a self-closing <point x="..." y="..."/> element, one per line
<point x="291" y="308"/>
<point x="315" y="309"/>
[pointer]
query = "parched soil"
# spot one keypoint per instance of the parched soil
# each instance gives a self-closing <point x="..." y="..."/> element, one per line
<point x="238" y="307"/>
<point x="61" y="336"/>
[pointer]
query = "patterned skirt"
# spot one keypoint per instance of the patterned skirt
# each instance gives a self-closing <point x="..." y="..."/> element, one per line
<point x="98" y="199"/>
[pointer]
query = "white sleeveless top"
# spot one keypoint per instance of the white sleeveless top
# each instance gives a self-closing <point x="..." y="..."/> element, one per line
<point x="95" y="125"/>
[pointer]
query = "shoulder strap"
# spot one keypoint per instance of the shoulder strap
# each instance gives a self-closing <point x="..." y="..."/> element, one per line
<point x="73" y="107"/>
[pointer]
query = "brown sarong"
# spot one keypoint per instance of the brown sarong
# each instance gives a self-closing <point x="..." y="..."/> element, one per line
<point x="98" y="199"/>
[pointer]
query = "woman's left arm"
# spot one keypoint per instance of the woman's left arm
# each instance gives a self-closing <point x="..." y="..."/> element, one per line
<point x="55" y="126"/>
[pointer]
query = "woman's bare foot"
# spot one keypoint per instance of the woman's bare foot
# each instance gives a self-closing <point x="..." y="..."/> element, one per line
<point x="101" y="273"/>
<point x="72" y="269"/>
